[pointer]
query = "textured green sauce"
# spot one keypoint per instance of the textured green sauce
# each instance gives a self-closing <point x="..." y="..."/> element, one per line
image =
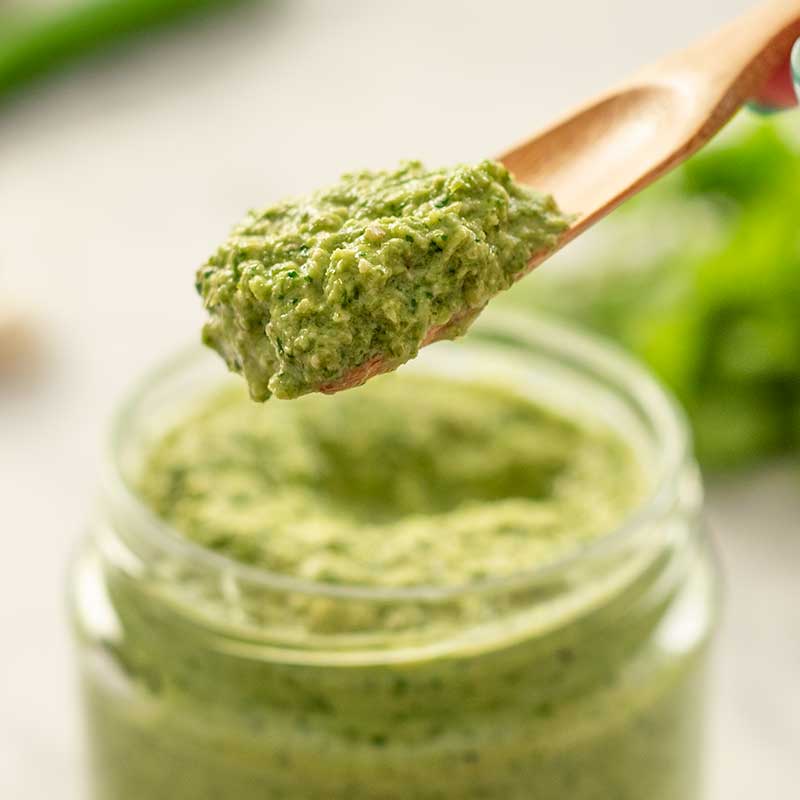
<point x="405" y="481"/>
<point x="464" y="482"/>
<point x="306" y="291"/>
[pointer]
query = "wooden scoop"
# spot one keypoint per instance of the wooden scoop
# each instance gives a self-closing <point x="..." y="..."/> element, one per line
<point x="615" y="145"/>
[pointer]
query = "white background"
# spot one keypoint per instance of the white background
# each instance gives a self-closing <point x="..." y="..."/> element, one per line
<point x="117" y="178"/>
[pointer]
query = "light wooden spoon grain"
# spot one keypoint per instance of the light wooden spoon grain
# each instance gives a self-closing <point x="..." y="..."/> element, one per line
<point x="615" y="145"/>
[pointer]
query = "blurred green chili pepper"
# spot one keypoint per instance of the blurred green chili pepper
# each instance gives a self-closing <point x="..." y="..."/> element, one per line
<point x="35" y="38"/>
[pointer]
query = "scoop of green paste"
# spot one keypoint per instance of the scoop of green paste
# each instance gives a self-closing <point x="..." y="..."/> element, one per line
<point x="306" y="291"/>
<point x="406" y="481"/>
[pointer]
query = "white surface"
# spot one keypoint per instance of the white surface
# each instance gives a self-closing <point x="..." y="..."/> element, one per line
<point x="117" y="178"/>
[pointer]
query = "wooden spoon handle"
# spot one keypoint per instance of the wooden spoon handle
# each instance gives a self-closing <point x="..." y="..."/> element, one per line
<point x="615" y="145"/>
<point x="727" y="68"/>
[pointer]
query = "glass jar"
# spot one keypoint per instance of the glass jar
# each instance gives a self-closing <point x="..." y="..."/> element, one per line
<point x="582" y="680"/>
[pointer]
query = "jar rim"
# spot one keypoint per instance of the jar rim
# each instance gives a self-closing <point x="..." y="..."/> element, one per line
<point x="579" y="346"/>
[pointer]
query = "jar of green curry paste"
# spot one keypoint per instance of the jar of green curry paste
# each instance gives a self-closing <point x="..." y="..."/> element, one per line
<point x="483" y="576"/>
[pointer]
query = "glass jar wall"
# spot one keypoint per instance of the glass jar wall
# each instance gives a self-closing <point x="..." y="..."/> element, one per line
<point x="204" y="678"/>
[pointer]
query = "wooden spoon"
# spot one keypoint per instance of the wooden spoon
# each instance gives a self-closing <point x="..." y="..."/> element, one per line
<point x="615" y="145"/>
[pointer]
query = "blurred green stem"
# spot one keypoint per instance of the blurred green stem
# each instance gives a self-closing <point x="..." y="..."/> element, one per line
<point x="33" y="42"/>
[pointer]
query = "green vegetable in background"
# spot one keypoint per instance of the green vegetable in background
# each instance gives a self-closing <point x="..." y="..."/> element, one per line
<point x="700" y="277"/>
<point x="37" y="36"/>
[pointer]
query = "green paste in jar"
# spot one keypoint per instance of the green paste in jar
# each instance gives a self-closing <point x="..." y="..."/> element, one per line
<point x="309" y="291"/>
<point x="408" y="481"/>
<point x="402" y="482"/>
